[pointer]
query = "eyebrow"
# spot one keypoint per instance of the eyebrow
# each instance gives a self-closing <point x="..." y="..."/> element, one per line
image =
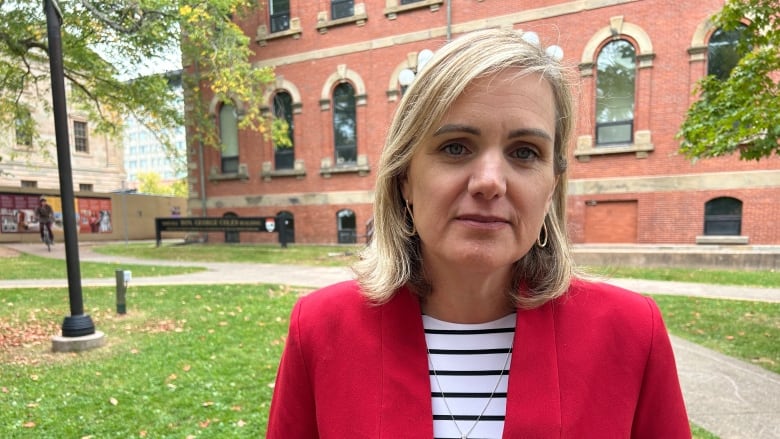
<point x="522" y="132"/>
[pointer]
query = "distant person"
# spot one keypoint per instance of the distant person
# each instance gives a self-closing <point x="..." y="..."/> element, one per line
<point x="467" y="319"/>
<point x="45" y="215"/>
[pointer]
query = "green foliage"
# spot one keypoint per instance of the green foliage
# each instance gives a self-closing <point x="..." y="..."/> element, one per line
<point x="151" y="183"/>
<point x="105" y="43"/>
<point x="742" y="113"/>
<point x="216" y="51"/>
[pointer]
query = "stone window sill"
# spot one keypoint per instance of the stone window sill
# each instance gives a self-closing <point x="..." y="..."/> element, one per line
<point x="641" y="147"/>
<point x="263" y="36"/>
<point x="722" y="240"/>
<point x="268" y="173"/>
<point x="392" y="10"/>
<point x="217" y="175"/>
<point x="359" y="18"/>
<point x="361" y="167"/>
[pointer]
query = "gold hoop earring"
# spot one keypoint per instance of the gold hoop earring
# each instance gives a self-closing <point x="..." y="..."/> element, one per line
<point x="411" y="217"/>
<point x="539" y="242"/>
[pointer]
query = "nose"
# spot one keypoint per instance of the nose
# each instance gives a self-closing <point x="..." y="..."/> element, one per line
<point x="488" y="176"/>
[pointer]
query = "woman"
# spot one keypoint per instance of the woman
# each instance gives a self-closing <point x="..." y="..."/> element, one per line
<point x="466" y="319"/>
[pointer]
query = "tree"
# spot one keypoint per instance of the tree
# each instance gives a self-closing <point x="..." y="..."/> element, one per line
<point x="104" y="43"/>
<point x="742" y="112"/>
<point x="151" y="183"/>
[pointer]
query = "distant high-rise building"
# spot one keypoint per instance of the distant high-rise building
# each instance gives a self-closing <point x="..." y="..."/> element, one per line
<point x="143" y="151"/>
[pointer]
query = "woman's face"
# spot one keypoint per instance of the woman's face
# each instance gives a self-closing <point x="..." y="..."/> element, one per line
<point x="481" y="183"/>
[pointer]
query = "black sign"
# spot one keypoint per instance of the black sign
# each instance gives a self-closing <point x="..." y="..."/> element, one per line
<point x="216" y="224"/>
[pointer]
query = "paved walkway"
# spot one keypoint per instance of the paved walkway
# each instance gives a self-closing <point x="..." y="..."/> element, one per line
<point x="731" y="398"/>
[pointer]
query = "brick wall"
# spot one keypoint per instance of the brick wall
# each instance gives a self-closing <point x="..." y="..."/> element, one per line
<point x="669" y="190"/>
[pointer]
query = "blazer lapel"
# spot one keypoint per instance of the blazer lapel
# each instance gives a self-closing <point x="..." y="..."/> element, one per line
<point x="533" y="406"/>
<point x="406" y="388"/>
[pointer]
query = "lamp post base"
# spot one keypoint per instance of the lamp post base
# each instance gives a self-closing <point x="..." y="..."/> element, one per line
<point x="78" y="344"/>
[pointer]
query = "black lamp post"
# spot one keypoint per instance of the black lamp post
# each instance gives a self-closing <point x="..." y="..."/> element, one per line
<point x="77" y="324"/>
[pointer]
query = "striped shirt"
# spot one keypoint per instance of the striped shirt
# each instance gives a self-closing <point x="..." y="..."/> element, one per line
<point x="467" y="364"/>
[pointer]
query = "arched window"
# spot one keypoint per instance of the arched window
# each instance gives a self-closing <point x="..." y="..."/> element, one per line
<point x="347" y="226"/>
<point x="228" y="134"/>
<point x="615" y="89"/>
<point x="345" y="124"/>
<point x="723" y="216"/>
<point x="723" y="53"/>
<point x="284" y="156"/>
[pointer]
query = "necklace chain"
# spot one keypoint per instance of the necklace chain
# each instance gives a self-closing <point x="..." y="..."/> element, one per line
<point x="487" y="404"/>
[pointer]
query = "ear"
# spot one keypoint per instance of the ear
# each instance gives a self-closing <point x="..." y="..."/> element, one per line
<point x="405" y="189"/>
<point x="550" y="197"/>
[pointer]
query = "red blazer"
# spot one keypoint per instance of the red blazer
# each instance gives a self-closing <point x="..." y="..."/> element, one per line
<point x="595" y="363"/>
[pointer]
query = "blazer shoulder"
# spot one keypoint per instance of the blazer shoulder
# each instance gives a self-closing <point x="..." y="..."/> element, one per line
<point x="600" y="301"/>
<point x="342" y="301"/>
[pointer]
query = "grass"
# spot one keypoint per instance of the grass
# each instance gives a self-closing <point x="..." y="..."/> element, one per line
<point x="199" y="361"/>
<point x="742" y="329"/>
<point x="321" y="255"/>
<point x="765" y="278"/>
<point x="25" y="266"/>
<point x="190" y="361"/>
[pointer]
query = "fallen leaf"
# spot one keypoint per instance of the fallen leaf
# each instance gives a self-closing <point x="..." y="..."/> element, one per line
<point x="29" y="424"/>
<point x="204" y="424"/>
<point x="113" y="401"/>
<point x="186" y="368"/>
<point x="241" y="423"/>
<point x="208" y="404"/>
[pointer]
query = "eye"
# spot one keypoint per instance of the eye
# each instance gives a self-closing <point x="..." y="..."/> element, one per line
<point x="524" y="153"/>
<point x="454" y="149"/>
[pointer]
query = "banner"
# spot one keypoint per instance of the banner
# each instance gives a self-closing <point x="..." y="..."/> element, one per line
<point x="17" y="213"/>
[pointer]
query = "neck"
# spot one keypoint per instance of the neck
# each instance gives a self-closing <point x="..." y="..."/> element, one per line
<point x="469" y="298"/>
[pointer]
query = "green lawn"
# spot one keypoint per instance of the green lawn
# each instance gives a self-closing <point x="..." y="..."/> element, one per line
<point x="742" y="329"/>
<point x="183" y="362"/>
<point x="200" y="360"/>
<point x="26" y="266"/>
<point x="323" y="255"/>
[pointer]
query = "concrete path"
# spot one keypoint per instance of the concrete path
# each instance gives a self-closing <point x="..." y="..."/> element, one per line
<point x="730" y="398"/>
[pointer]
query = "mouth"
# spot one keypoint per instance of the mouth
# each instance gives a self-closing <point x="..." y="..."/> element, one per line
<point x="482" y="221"/>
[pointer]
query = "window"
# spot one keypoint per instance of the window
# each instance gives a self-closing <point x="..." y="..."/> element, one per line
<point x="341" y="9"/>
<point x="228" y="133"/>
<point x="347" y="226"/>
<point x="284" y="157"/>
<point x="29" y="183"/>
<point x="406" y="2"/>
<point x="615" y="87"/>
<point x="723" y="216"/>
<point x="723" y="53"/>
<point x="86" y="187"/>
<point x="80" y="140"/>
<point x="280" y="15"/>
<point x="344" y="124"/>
<point x="23" y="128"/>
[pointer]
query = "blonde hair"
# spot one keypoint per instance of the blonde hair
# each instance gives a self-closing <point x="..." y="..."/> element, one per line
<point x="393" y="258"/>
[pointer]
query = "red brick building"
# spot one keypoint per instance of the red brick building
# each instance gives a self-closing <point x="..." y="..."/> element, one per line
<point x="338" y="65"/>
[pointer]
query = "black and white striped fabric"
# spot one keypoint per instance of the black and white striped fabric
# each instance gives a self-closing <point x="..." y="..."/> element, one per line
<point x="470" y="361"/>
